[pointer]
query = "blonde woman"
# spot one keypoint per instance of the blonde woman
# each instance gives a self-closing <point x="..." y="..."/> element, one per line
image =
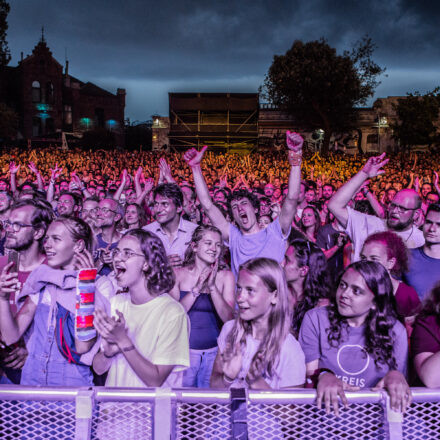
<point x="257" y="350"/>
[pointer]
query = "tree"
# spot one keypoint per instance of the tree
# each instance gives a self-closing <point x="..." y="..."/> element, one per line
<point x="417" y="116"/>
<point x="5" y="56"/>
<point x="321" y="88"/>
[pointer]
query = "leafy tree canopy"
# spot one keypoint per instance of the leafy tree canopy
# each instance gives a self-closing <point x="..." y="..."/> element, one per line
<point x="5" y="56"/>
<point x="321" y="88"/>
<point x="417" y="118"/>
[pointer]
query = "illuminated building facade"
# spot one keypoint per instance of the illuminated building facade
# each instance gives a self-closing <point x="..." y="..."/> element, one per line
<point x="48" y="100"/>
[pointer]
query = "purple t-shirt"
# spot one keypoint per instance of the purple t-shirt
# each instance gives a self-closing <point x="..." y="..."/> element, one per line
<point x="349" y="361"/>
<point x="268" y="243"/>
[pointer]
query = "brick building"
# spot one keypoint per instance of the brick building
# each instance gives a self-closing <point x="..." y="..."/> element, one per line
<point x="48" y="100"/>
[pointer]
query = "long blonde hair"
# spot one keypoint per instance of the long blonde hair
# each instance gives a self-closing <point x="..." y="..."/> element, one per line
<point x="279" y="321"/>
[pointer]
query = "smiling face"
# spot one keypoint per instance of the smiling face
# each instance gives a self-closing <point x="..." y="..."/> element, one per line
<point x="129" y="272"/>
<point x="60" y="247"/>
<point x="253" y="297"/>
<point x="165" y="210"/>
<point x="244" y="213"/>
<point x="66" y="205"/>
<point x="353" y="298"/>
<point x="209" y="247"/>
<point x="308" y="218"/>
<point x="131" y="215"/>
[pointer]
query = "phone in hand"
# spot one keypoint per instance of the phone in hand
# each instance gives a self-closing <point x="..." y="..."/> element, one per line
<point x="14" y="256"/>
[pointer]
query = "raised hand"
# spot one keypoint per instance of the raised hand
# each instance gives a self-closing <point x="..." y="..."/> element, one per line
<point x="84" y="260"/>
<point x="294" y="141"/>
<point x="8" y="282"/>
<point x="193" y="157"/>
<point x="374" y="166"/>
<point x="33" y="167"/>
<point x="149" y="183"/>
<point x="13" y="169"/>
<point x="232" y="366"/>
<point x="55" y="172"/>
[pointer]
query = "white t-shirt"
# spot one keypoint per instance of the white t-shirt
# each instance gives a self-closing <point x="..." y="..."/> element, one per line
<point x="360" y="226"/>
<point x="290" y="370"/>
<point x="159" y="330"/>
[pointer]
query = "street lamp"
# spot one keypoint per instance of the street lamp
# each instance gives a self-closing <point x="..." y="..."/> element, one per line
<point x="381" y="122"/>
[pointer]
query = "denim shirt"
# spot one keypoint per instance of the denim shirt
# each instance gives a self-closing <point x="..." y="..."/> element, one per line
<point x="45" y="365"/>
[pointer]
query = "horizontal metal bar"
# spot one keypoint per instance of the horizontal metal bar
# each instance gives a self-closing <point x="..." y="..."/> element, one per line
<point x="18" y="392"/>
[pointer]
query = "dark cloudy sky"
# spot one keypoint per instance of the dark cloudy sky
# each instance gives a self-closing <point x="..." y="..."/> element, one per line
<point x="151" y="48"/>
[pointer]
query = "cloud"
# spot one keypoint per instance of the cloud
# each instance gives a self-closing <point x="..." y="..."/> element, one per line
<point x="155" y="45"/>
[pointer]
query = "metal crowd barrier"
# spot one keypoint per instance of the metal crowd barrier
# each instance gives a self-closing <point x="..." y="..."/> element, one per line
<point x="164" y="414"/>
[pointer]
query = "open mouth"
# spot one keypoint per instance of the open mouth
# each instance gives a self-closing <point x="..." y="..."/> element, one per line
<point x="119" y="271"/>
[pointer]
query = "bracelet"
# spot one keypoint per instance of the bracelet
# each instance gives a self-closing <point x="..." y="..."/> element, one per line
<point x="227" y="379"/>
<point x="324" y="370"/>
<point x="129" y="348"/>
<point x="295" y="159"/>
<point x="195" y="294"/>
<point x="109" y="357"/>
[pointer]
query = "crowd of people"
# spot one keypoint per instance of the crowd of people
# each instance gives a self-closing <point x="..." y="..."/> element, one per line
<point x="267" y="271"/>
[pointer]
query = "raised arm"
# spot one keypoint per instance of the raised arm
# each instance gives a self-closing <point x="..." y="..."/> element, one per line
<point x="121" y="188"/>
<point x="13" y="170"/>
<point x="193" y="158"/>
<point x="34" y="169"/>
<point x="338" y="203"/>
<point x="288" y="210"/>
<point x="54" y="173"/>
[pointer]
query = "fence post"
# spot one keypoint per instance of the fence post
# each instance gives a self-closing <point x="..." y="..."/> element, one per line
<point x="162" y="416"/>
<point x="393" y="420"/>
<point x="239" y="414"/>
<point x="84" y="404"/>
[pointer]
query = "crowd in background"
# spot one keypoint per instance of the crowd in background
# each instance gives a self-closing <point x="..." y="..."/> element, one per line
<point x="267" y="270"/>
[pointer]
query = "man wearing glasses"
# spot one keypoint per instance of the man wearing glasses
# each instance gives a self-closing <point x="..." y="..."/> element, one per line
<point x="108" y="214"/>
<point x="25" y="230"/>
<point x="400" y="215"/>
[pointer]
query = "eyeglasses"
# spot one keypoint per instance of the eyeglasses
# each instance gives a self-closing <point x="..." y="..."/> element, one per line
<point x="125" y="254"/>
<point x="399" y="208"/>
<point x="16" y="226"/>
<point x="105" y="210"/>
<point x="91" y="211"/>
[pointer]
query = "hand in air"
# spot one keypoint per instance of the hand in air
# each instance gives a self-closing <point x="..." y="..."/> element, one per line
<point x="193" y="157"/>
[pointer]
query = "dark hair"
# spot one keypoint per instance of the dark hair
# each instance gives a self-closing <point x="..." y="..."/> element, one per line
<point x="317" y="218"/>
<point x="431" y="304"/>
<point x="170" y="191"/>
<point x="199" y="232"/>
<point x="364" y="206"/>
<point x="395" y="248"/>
<point x="41" y="217"/>
<point x="435" y="207"/>
<point x="243" y="194"/>
<point x="329" y="185"/>
<point x="77" y="199"/>
<point x="317" y="283"/>
<point x="92" y="199"/>
<point x="193" y="193"/>
<point x="79" y="230"/>
<point x="159" y="275"/>
<point x="378" y="332"/>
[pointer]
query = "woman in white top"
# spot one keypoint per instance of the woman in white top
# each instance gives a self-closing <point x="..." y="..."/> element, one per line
<point x="145" y="341"/>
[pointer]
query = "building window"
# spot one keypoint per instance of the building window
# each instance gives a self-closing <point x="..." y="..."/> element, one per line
<point x="68" y="114"/>
<point x="50" y="126"/>
<point x="36" y="127"/>
<point x="36" y="92"/>
<point x="49" y="93"/>
<point x="372" y="139"/>
<point x="99" y="117"/>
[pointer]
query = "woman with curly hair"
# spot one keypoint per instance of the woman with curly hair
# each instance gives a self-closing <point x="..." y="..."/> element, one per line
<point x="305" y="268"/>
<point x="357" y="341"/>
<point x="207" y="294"/>
<point x="145" y="340"/>
<point x="257" y="350"/>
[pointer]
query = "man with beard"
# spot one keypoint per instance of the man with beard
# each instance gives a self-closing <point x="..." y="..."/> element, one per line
<point x="69" y="204"/>
<point x="424" y="262"/>
<point x="400" y="215"/>
<point x="25" y="231"/>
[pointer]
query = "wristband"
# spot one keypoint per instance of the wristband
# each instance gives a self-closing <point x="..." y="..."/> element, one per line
<point x="109" y="357"/>
<point x="129" y="348"/>
<point x="227" y="379"/>
<point x="324" y="370"/>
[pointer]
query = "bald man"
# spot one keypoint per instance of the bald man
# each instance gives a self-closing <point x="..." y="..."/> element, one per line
<point x="400" y="214"/>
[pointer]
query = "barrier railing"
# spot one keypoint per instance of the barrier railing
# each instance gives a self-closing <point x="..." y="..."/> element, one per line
<point x="126" y="414"/>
